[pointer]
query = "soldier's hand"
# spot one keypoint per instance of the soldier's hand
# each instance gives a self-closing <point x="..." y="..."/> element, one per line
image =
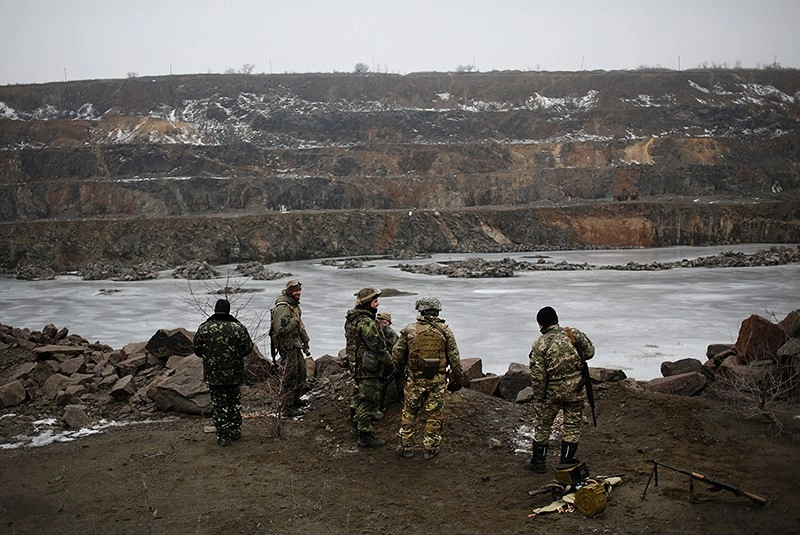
<point x="454" y="386"/>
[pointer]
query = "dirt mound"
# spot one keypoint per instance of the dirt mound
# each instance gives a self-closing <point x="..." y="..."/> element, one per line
<point x="171" y="476"/>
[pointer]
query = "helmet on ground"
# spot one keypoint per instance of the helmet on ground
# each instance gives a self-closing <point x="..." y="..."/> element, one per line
<point x="428" y="303"/>
<point x="366" y="295"/>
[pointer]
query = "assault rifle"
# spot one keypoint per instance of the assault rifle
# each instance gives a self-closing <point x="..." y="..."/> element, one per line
<point x="586" y="380"/>
<point x="715" y="485"/>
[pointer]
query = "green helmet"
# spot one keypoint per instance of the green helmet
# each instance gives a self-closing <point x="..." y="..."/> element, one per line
<point x="428" y="303"/>
<point x="366" y="295"/>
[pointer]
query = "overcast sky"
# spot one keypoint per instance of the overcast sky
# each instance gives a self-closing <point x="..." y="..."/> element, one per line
<point x="53" y="40"/>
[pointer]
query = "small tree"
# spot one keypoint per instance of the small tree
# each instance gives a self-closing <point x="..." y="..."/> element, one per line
<point x="361" y="68"/>
<point x="247" y="68"/>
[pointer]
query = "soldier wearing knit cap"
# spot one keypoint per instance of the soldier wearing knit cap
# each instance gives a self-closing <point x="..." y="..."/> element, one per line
<point x="223" y="343"/>
<point x="556" y="361"/>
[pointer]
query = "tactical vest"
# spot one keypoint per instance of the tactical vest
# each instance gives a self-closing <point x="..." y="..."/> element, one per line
<point x="429" y="344"/>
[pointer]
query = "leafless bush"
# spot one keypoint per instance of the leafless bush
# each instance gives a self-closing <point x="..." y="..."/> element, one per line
<point x="767" y="388"/>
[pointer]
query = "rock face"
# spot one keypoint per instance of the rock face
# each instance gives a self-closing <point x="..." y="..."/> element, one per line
<point x="224" y="167"/>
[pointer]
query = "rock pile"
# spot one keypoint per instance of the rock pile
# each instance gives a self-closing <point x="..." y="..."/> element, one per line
<point x="480" y="268"/>
<point x="52" y="371"/>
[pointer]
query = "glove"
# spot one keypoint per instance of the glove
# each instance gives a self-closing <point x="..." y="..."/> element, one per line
<point x="454" y="386"/>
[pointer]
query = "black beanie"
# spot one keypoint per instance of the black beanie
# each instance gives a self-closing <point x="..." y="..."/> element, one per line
<point x="223" y="306"/>
<point x="547" y="316"/>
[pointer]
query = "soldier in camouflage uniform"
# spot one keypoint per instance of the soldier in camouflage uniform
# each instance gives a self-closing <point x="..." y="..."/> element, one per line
<point x="385" y="321"/>
<point x="426" y="348"/>
<point x="368" y="360"/>
<point x="288" y="334"/>
<point x="555" y="363"/>
<point x="223" y="343"/>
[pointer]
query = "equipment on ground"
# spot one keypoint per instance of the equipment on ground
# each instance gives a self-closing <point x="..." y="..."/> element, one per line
<point x="714" y="484"/>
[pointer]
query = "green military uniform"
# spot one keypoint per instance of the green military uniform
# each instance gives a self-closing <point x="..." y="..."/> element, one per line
<point x="289" y="335"/>
<point x="426" y="348"/>
<point x="555" y="364"/>
<point x="368" y="360"/>
<point x="223" y="343"/>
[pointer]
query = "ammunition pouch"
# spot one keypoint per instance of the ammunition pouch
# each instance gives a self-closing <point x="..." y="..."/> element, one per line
<point x="430" y="367"/>
<point x="591" y="499"/>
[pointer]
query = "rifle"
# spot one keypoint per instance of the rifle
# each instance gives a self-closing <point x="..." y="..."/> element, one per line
<point x="386" y="383"/>
<point x="586" y="380"/>
<point x="715" y="485"/>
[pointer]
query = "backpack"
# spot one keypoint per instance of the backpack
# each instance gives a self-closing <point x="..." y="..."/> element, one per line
<point x="429" y="350"/>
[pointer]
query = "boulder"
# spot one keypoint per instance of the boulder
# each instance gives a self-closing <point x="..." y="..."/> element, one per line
<point x="167" y="342"/>
<point x="73" y="365"/>
<point x="12" y="394"/>
<point x="473" y="369"/>
<point x="606" y="375"/>
<point x="683" y="384"/>
<point x="75" y="417"/>
<point x="486" y="385"/>
<point x="515" y="379"/>
<point x="681" y="366"/>
<point x="791" y="324"/>
<point x="525" y="395"/>
<point x="759" y="339"/>
<point x="182" y="389"/>
<point x="123" y="389"/>
<point x="326" y="366"/>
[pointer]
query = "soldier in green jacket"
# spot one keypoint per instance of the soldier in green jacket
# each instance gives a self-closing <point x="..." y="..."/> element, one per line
<point x="223" y="343"/>
<point x="556" y="364"/>
<point x="288" y="334"/>
<point x="426" y="348"/>
<point x="369" y="360"/>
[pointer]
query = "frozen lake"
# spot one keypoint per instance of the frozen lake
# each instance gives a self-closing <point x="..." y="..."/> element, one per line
<point x="636" y="319"/>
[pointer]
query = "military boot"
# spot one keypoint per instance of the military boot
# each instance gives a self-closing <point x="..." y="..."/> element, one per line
<point x="538" y="461"/>
<point x="368" y="440"/>
<point x="568" y="450"/>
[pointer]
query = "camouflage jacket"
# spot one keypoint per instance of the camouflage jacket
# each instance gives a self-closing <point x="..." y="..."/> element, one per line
<point x="390" y="336"/>
<point x="223" y="343"/>
<point x="556" y="365"/>
<point x="287" y="330"/>
<point x="364" y="338"/>
<point x="406" y="344"/>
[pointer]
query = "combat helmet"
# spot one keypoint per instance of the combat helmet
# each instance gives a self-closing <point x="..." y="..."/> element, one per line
<point x="366" y="295"/>
<point x="428" y="303"/>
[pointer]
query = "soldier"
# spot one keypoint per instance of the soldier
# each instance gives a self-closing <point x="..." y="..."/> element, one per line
<point x="426" y="347"/>
<point x="398" y="377"/>
<point x="369" y="360"/>
<point x="288" y="334"/>
<point x="223" y="343"/>
<point x="555" y="363"/>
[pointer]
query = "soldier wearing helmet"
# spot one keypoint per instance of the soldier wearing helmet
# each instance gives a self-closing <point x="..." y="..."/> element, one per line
<point x="289" y="336"/>
<point x="427" y="348"/>
<point x="368" y="359"/>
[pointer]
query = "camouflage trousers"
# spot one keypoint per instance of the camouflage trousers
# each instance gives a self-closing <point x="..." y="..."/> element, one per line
<point x="226" y="401"/>
<point x="424" y="399"/>
<point x="544" y="412"/>
<point x="368" y="404"/>
<point x="296" y="376"/>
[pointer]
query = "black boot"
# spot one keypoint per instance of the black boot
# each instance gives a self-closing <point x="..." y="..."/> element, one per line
<point x="538" y="461"/>
<point x="368" y="440"/>
<point x="568" y="450"/>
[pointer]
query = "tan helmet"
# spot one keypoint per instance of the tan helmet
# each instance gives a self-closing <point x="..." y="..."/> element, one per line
<point x="385" y="316"/>
<point x="428" y="303"/>
<point x="366" y="295"/>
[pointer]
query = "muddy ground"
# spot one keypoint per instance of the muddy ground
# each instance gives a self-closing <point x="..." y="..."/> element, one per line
<point x="172" y="477"/>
